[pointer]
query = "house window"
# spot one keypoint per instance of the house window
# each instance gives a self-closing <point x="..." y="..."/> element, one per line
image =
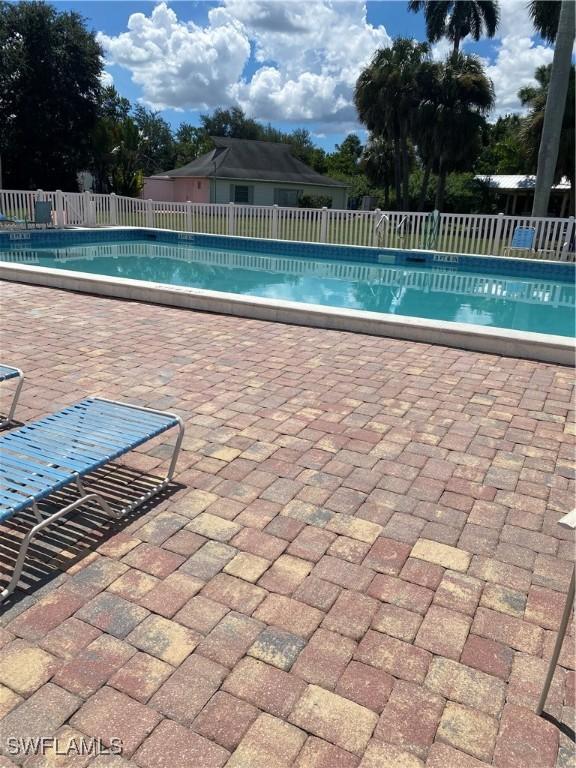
<point x="243" y="194"/>
<point x="199" y="185"/>
<point x="287" y="197"/>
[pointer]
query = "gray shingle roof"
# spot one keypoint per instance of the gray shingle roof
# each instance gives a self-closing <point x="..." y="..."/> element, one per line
<point x="252" y="160"/>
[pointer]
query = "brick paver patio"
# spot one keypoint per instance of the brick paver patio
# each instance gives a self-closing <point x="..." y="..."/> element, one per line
<point x="360" y="565"/>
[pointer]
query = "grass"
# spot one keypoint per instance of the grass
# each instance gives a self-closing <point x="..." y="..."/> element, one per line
<point x="349" y="231"/>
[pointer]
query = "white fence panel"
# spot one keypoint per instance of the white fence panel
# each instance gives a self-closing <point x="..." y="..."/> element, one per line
<point x="447" y="232"/>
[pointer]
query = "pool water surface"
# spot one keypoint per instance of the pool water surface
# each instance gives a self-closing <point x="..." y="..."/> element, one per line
<point x="438" y="290"/>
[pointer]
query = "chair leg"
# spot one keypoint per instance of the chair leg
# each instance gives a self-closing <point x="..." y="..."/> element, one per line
<point x="44" y="523"/>
<point x="558" y="645"/>
<point x="169" y="475"/>
<point x="16" y="397"/>
<point x="10" y="417"/>
<point x="85" y="496"/>
<point x="176" y="451"/>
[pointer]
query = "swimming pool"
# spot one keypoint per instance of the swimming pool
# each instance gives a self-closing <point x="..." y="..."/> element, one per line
<point x="391" y="291"/>
<point x="534" y="296"/>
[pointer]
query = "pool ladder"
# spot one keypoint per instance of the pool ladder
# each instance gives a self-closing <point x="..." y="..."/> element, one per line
<point x="399" y="228"/>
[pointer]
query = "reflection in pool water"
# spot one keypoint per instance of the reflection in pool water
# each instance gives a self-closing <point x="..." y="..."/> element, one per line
<point x="438" y="292"/>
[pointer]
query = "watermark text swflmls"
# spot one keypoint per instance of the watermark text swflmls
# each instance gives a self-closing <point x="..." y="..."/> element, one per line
<point x="67" y="747"/>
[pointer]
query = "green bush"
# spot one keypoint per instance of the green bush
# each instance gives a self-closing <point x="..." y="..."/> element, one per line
<point x="314" y="201"/>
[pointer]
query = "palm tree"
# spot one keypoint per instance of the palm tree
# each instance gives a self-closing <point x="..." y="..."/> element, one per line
<point x="455" y="19"/>
<point x="543" y="19"/>
<point x="386" y="98"/>
<point x="378" y="163"/>
<point x="535" y="98"/>
<point x="424" y="136"/>
<point x="456" y="97"/>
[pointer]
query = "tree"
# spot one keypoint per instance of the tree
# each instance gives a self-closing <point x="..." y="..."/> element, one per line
<point x="458" y="96"/>
<point x="113" y="110"/>
<point x="302" y="147"/>
<point x="424" y="136"/>
<point x="50" y="90"/>
<point x="504" y="149"/>
<point x="112" y="105"/>
<point x="378" y="164"/>
<point x="344" y="161"/>
<point x="535" y="97"/>
<point x="127" y="176"/>
<point x="190" y="142"/>
<point x="556" y="97"/>
<point x="386" y="98"/>
<point x="232" y="123"/>
<point x="545" y="17"/>
<point x="456" y="19"/>
<point x="156" y="143"/>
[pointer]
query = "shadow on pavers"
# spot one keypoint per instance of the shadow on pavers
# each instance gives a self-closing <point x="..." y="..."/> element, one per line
<point x="68" y="540"/>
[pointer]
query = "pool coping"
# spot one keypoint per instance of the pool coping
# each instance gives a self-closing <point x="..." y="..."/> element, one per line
<point x="547" y="348"/>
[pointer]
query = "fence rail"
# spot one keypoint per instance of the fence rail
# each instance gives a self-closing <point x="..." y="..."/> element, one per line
<point x="447" y="232"/>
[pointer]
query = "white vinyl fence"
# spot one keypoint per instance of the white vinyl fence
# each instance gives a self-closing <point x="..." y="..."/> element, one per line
<point x="453" y="233"/>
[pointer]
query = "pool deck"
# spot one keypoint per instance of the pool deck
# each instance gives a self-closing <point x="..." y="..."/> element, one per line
<point x="359" y="566"/>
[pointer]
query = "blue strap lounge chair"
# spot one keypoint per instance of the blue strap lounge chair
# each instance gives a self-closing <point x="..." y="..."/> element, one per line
<point x="522" y="240"/>
<point x="7" y="372"/>
<point x="58" y="452"/>
<point x="9" y="220"/>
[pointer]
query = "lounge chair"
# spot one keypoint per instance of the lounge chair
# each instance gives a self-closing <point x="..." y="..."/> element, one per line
<point x="8" y="372"/>
<point x="10" y="220"/>
<point x="42" y="212"/>
<point x="42" y="215"/>
<point x="522" y="240"/>
<point x="58" y="452"/>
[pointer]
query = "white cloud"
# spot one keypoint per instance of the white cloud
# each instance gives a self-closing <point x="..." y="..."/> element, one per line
<point x="441" y="49"/>
<point x="517" y="57"/>
<point x="309" y="55"/>
<point x="269" y="95"/>
<point x="515" y="19"/>
<point x="106" y="79"/>
<point x="179" y="64"/>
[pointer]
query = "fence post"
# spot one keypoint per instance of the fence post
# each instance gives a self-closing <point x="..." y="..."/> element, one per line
<point x="324" y="224"/>
<point x="274" y="232"/>
<point x="59" y="209"/>
<point x="568" y="240"/>
<point x="188" y="216"/>
<point x="376" y="218"/>
<point x="231" y="217"/>
<point x="498" y="234"/>
<point x="113" y="209"/>
<point x="87" y="208"/>
<point x="149" y="213"/>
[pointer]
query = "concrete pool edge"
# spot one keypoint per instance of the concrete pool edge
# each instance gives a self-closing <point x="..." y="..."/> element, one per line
<point x="509" y="343"/>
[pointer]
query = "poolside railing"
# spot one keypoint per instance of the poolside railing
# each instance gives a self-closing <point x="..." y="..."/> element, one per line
<point x="450" y="233"/>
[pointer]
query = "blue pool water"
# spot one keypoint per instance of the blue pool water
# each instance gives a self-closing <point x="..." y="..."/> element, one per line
<point x="501" y="293"/>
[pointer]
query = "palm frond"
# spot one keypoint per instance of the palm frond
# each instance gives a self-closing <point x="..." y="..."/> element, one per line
<point x="545" y="16"/>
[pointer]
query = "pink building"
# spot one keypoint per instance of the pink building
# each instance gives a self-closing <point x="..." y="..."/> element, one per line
<point x="248" y="173"/>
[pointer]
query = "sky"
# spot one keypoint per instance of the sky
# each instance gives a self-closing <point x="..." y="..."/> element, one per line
<point x="289" y="62"/>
